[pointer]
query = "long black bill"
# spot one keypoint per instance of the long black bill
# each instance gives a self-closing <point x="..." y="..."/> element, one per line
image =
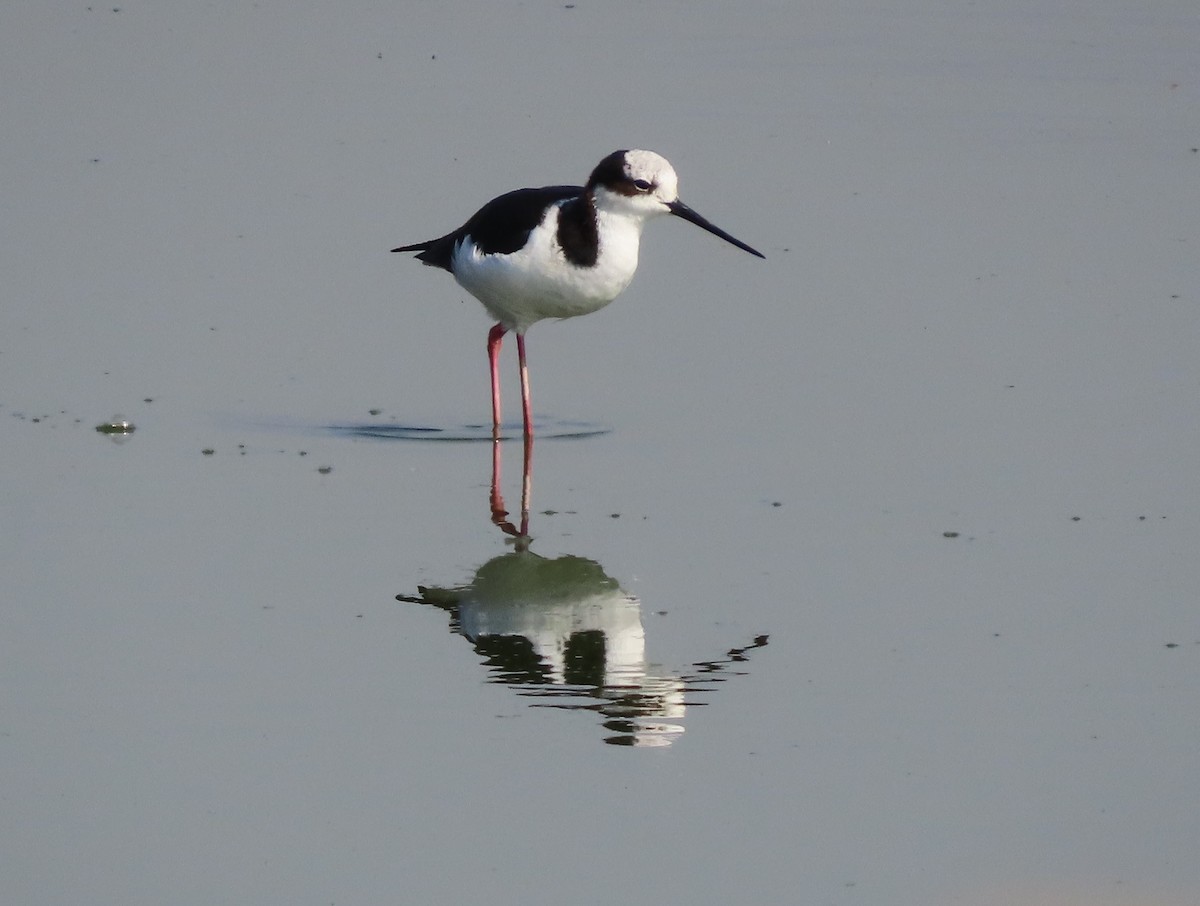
<point x="679" y="209"/>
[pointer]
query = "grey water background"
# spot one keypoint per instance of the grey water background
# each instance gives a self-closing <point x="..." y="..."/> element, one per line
<point x="939" y="449"/>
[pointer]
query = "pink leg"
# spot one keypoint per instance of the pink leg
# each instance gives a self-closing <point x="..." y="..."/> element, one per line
<point x="527" y="410"/>
<point x="526" y="483"/>
<point x="495" y="338"/>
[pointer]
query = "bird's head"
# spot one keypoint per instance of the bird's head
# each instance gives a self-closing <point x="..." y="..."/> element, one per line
<point x="643" y="184"/>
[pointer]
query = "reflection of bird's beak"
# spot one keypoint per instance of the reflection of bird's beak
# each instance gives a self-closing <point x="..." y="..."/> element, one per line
<point x="679" y="209"/>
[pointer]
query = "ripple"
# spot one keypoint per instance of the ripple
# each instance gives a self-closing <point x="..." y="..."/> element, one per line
<point x="392" y="430"/>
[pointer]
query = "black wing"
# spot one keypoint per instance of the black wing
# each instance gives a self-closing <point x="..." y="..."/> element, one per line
<point x="500" y="227"/>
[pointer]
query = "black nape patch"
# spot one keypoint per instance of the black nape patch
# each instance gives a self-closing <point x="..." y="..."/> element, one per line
<point x="578" y="234"/>
<point x="610" y="172"/>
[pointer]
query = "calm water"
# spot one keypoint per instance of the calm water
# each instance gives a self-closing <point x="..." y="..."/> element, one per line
<point x="862" y="574"/>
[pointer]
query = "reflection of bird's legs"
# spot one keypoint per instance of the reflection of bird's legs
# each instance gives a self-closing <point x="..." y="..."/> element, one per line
<point x="497" y="499"/>
<point x="499" y="513"/>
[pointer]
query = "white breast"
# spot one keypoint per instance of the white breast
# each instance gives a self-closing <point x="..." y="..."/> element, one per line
<point x="538" y="282"/>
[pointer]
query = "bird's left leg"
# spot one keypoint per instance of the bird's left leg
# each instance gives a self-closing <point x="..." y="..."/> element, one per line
<point x="527" y="410"/>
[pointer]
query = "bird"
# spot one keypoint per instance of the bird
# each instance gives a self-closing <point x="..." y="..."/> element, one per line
<point x="558" y="251"/>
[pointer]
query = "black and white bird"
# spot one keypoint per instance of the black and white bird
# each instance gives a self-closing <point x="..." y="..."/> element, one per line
<point x="558" y="251"/>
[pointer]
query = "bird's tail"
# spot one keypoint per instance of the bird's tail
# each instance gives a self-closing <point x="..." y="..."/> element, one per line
<point x="434" y="252"/>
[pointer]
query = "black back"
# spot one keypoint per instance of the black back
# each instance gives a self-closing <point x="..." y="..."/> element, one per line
<point x="500" y="227"/>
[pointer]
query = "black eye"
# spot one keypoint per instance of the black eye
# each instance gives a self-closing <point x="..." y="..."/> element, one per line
<point x="643" y="184"/>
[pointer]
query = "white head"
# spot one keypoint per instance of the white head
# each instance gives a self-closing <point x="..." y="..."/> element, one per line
<point x="643" y="184"/>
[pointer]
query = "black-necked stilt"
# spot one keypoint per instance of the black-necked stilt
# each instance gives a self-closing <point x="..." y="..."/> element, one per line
<point x="558" y="251"/>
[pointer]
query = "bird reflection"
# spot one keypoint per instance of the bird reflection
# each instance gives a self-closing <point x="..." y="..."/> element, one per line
<point x="563" y="632"/>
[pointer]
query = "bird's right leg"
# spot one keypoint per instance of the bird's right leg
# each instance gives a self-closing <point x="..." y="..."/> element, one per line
<point x="495" y="338"/>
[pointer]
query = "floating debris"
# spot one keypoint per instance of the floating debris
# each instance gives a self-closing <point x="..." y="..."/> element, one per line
<point x="118" y="424"/>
